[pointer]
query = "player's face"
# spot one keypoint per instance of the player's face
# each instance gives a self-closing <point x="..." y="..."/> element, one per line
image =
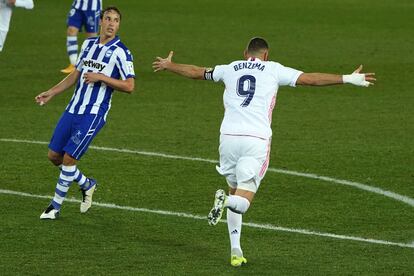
<point x="110" y="23"/>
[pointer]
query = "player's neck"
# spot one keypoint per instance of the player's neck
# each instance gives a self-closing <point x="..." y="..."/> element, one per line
<point x="254" y="57"/>
<point x="105" y="39"/>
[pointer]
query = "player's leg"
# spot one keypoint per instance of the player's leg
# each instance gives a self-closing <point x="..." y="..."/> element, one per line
<point x="3" y="35"/>
<point x="85" y="128"/>
<point x="241" y="159"/>
<point x="234" y="226"/>
<point x="74" y="23"/>
<point x="56" y="153"/>
<point x="248" y="172"/>
<point x="92" y="23"/>
<point x="5" y="15"/>
<point x="55" y="157"/>
<point x="237" y="203"/>
<point x="228" y="151"/>
<point x="66" y="177"/>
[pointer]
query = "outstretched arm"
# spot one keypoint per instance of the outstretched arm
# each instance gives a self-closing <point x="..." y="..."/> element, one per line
<point x="321" y="79"/>
<point x="67" y="82"/>
<point x="186" y="70"/>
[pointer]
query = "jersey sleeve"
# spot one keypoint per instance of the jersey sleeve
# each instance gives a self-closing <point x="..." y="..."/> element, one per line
<point x="124" y="62"/>
<point x="287" y="75"/>
<point x="215" y="74"/>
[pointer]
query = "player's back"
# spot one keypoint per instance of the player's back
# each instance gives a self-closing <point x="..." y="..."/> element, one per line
<point x="250" y="94"/>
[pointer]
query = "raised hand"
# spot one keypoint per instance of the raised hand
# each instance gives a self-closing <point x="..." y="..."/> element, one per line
<point x="162" y="63"/>
<point x="360" y="79"/>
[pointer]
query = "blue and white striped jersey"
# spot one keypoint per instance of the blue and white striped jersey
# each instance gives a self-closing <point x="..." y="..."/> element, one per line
<point x="87" y="5"/>
<point x="113" y="60"/>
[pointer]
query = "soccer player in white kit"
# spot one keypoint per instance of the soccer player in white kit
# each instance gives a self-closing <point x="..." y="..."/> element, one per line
<point x="251" y="87"/>
<point x="6" y="10"/>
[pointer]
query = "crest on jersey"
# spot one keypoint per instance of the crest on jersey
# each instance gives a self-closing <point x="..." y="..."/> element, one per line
<point x="108" y="53"/>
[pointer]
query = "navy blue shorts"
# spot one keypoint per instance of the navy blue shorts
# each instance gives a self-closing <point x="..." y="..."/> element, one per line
<point x="88" y="19"/>
<point x="74" y="133"/>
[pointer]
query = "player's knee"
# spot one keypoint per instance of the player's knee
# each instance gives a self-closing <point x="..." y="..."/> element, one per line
<point x="55" y="158"/>
<point x="72" y="31"/>
<point x="239" y="204"/>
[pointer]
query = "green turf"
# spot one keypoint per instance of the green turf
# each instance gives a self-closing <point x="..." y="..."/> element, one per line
<point x="345" y="132"/>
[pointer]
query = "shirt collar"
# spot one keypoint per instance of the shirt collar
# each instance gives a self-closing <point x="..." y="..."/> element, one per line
<point x="109" y="43"/>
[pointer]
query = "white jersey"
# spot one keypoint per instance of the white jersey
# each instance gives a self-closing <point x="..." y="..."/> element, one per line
<point x="250" y="94"/>
<point x="113" y="60"/>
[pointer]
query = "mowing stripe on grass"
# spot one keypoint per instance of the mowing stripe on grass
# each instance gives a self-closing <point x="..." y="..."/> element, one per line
<point x="198" y="217"/>
<point x="376" y="190"/>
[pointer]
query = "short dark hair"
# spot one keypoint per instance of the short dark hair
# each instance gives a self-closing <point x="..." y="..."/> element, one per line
<point x="257" y="44"/>
<point x="111" y="8"/>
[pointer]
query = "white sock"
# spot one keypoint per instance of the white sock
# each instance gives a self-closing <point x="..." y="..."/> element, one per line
<point x="72" y="48"/>
<point x="81" y="179"/>
<point x="62" y="186"/>
<point x="234" y="224"/>
<point x="237" y="203"/>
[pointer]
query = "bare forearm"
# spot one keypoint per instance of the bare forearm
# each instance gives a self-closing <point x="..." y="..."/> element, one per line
<point x="65" y="83"/>
<point x="319" y="79"/>
<point x="186" y="70"/>
<point x="126" y="86"/>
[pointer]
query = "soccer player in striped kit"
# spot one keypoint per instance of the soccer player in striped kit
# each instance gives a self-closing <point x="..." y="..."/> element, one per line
<point x="249" y="98"/>
<point x="104" y="64"/>
<point x="82" y="13"/>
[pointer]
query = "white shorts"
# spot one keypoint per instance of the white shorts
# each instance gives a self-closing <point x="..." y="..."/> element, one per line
<point x="243" y="159"/>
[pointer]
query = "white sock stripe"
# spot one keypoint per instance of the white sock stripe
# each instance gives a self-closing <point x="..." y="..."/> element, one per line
<point x="82" y="180"/>
<point x="69" y="169"/>
<point x="62" y="188"/>
<point x="76" y="174"/>
<point x="58" y="199"/>
<point x="72" y="48"/>
<point x="71" y="38"/>
<point x="66" y="178"/>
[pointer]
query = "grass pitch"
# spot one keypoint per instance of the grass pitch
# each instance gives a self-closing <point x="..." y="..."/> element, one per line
<point x="345" y="132"/>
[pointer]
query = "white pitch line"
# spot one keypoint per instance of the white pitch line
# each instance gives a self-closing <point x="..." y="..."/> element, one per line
<point x="198" y="217"/>
<point x="365" y="187"/>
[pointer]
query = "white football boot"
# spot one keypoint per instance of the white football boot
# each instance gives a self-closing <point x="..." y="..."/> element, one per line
<point x="217" y="211"/>
<point x="87" y="196"/>
<point x="50" y="213"/>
